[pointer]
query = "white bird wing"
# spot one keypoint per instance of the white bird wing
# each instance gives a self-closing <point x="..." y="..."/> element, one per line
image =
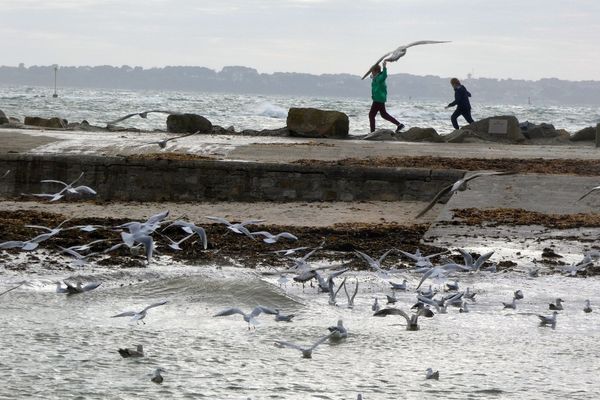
<point x="12" y="244"/>
<point x="229" y="311"/>
<point x="252" y="222"/>
<point x="39" y="227"/>
<point x="420" y="42"/>
<point x="588" y="193"/>
<point x="409" y="255"/>
<point x="281" y="343"/>
<point x="380" y="260"/>
<point x="71" y="252"/>
<point x="90" y="286"/>
<point x="262" y="233"/>
<point x="54" y="181"/>
<point x="366" y="257"/>
<point x="427" y="275"/>
<point x="433" y="202"/>
<point x="266" y="310"/>
<point x="161" y="303"/>
<point x="392" y="311"/>
<point x="320" y="341"/>
<point x="376" y="63"/>
<point x="466" y="256"/>
<point x="482" y="259"/>
<point x="84" y="189"/>
<point x="157" y="217"/>
<point x="125" y="314"/>
<point x="287" y="235"/>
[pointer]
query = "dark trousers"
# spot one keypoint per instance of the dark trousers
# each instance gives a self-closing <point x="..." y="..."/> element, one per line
<point x="378" y="107"/>
<point x="458" y="113"/>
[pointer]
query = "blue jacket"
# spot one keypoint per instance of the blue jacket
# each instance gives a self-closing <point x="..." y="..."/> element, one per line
<point x="461" y="98"/>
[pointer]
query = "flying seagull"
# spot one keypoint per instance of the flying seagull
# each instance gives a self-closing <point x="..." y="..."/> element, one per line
<point x="249" y="318"/>
<point x="458" y="185"/>
<point x="190" y="227"/>
<point x="163" y="143"/>
<point x="400" y="52"/>
<point x="306" y="351"/>
<point x="411" y="321"/>
<point x="270" y="238"/>
<point x="139" y="315"/>
<point x="77" y="288"/>
<point x="143" y="114"/>
<point x="239" y="228"/>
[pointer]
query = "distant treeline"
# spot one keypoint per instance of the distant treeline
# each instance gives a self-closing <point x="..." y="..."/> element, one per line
<point x="248" y="80"/>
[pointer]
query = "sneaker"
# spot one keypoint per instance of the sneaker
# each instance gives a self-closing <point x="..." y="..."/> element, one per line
<point x="399" y="128"/>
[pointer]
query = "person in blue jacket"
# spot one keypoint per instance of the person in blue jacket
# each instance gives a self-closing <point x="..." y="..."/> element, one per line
<point x="461" y="101"/>
<point x="379" y="97"/>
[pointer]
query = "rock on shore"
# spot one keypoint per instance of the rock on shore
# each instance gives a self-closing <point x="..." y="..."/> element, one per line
<point x="188" y="123"/>
<point x="315" y="123"/>
<point x="55" y="122"/>
<point x="3" y="119"/>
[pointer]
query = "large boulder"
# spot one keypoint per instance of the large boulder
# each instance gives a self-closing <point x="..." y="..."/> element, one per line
<point x="416" y="134"/>
<point x="188" y="123"/>
<point x="541" y="131"/>
<point x="315" y="123"/>
<point x="3" y="119"/>
<point x="586" y="134"/>
<point x="55" y="122"/>
<point x="503" y="129"/>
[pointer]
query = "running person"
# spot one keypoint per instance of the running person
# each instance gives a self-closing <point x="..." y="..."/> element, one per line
<point x="462" y="103"/>
<point x="379" y="96"/>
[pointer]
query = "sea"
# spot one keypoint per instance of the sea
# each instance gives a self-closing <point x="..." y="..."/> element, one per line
<point x="55" y="346"/>
<point x="248" y="111"/>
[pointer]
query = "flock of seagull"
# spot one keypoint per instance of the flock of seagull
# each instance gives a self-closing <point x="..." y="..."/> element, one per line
<point x="329" y="279"/>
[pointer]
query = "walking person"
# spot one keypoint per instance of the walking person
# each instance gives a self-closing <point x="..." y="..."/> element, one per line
<point x="461" y="101"/>
<point x="379" y="96"/>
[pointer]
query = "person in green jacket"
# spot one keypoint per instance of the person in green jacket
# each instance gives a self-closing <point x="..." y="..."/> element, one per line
<point x="379" y="96"/>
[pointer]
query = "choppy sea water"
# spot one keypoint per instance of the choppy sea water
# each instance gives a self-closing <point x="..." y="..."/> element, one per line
<point x="99" y="106"/>
<point x="56" y="346"/>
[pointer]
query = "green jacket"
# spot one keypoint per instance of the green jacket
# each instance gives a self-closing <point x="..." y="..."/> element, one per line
<point x="379" y="88"/>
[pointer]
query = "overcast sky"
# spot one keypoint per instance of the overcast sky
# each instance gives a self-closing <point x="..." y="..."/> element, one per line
<point x="528" y="39"/>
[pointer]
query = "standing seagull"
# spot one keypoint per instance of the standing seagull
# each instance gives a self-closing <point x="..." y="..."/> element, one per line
<point x="400" y="52"/>
<point x="456" y="186"/>
<point x="139" y="315"/>
<point x="548" y="320"/>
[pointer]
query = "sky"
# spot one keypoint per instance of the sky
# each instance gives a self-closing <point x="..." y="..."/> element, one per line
<point x="518" y="39"/>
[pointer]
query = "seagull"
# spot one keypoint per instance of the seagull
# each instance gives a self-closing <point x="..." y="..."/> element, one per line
<point x="87" y="228"/>
<point x="512" y="305"/>
<point x="148" y="227"/>
<point x="289" y="252"/>
<point x="421" y="260"/>
<point x="427" y="293"/>
<point x="441" y="273"/>
<point x="548" y="320"/>
<point x="156" y="376"/>
<point x="127" y="353"/>
<point x="533" y="272"/>
<point x="440" y="306"/>
<point x="452" y="286"/>
<point x="576" y="267"/>
<point x="77" y="288"/>
<point x="249" y="318"/>
<point x="5" y="174"/>
<point x="85" y="247"/>
<point x="587" y="309"/>
<point x="163" y="142"/>
<point x="139" y="315"/>
<point x="474" y="265"/>
<point x="338" y="332"/>
<point x="68" y="188"/>
<point x="239" y="228"/>
<point x="411" y="321"/>
<point x="306" y="351"/>
<point x="518" y="294"/>
<point x="557" y="306"/>
<point x="333" y="293"/>
<point x="326" y="284"/>
<point x="398" y="286"/>
<point x="175" y="245"/>
<point x="588" y="193"/>
<point x="33" y="243"/>
<point x="458" y="185"/>
<point x="375" y="264"/>
<point x="80" y="259"/>
<point x="189" y="227"/>
<point x="270" y="238"/>
<point x="401" y="52"/>
<point x="139" y="237"/>
<point x="143" y="114"/>
<point x="432" y="375"/>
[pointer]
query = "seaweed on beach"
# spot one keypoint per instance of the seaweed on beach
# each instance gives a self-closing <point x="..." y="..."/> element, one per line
<point x="224" y="247"/>
<point x="516" y="216"/>
<point x="530" y="165"/>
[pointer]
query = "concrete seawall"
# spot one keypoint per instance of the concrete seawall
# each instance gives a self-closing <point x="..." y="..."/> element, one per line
<point x="135" y="179"/>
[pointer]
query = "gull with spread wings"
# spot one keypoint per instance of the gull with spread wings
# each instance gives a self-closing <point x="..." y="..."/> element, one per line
<point x="459" y="185"/>
<point x="401" y="52"/>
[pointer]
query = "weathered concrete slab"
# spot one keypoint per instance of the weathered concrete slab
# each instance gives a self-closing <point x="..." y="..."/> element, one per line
<point x="141" y="179"/>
